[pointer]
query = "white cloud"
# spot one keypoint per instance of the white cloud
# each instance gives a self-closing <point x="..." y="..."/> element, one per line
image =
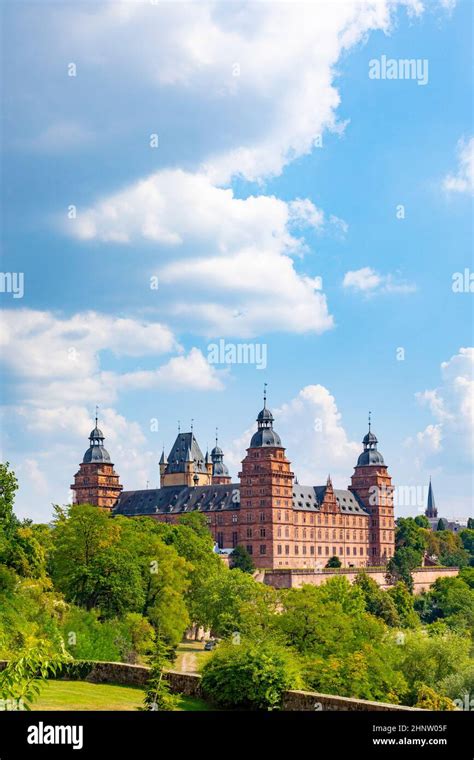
<point x="311" y="430"/>
<point x="58" y="360"/>
<point x="463" y="180"/>
<point x="181" y="372"/>
<point x="262" y="74"/>
<point x="452" y="407"/>
<point x="371" y="282"/>
<point x="241" y="252"/>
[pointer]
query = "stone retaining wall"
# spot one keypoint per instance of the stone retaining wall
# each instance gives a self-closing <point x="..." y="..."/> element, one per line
<point x="423" y="577"/>
<point x="307" y="701"/>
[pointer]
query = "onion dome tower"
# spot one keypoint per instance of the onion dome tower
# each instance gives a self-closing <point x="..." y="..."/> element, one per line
<point x="372" y="485"/>
<point x="220" y="473"/>
<point x="266" y="495"/>
<point x="96" y="481"/>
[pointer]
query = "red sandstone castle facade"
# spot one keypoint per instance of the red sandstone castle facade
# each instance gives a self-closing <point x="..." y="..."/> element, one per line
<point x="281" y="523"/>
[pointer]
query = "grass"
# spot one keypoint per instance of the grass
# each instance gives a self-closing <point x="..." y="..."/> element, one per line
<point x="81" y="695"/>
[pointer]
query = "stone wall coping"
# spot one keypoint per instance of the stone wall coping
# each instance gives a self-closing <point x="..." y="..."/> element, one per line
<point x="351" y="701"/>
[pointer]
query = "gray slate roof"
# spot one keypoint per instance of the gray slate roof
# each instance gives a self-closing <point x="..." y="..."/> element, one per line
<point x="181" y="499"/>
<point x="185" y="446"/>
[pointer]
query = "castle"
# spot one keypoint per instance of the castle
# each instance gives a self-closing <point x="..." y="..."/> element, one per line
<point x="282" y="524"/>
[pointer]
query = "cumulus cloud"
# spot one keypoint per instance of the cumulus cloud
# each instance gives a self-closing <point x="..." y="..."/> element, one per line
<point x="370" y="282"/>
<point x="462" y="181"/>
<point x="241" y="258"/>
<point x="58" y="360"/>
<point x="262" y="74"/>
<point x="452" y="406"/>
<point x="311" y="429"/>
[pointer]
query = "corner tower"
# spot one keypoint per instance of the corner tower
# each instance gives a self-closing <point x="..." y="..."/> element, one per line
<point x="266" y="488"/>
<point x="96" y="481"/>
<point x="372" y="485"/>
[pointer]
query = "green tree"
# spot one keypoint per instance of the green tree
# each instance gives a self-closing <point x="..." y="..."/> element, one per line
<point x="470" y="523"/>
<point x="157" y="694"/>
<point x="334" y="562"/>
<point x="441" y="524"/>
<point x="404" y="604"/>
<point x="467" y="539"/>
<point x="429" y="699"/>
<point x="250" y="675"/>
<point x="377" y="601"/>
<point x="427" y="660"/>
<point x="8" y="489"/>
<point x="219" y="604"/>
<point x="401" y="565"/>
<point x="241" y="559"/>
<point x="422" y="522"/>
<point x="25" y="675"/>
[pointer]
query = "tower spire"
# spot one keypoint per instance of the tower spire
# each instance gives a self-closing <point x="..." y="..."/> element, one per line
<point x="96" y="415"/>
<point x="217" y="431"/>
<point x="265" y="395"/>
<point x="369" y="420"/>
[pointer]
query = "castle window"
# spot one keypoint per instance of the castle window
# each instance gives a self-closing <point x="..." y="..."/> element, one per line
<point x="235" y="537"/>
<point x="279" y="549"/>
<point x="220" y="540"/>
<point x="234" y="518"/>
<point x="304" y="548"/>
<point x="348" y="550"/>
<point x="249" y="532"/>
<point x="262" y="532"/>
<point x="319" y="550"/>
<point x="341" y="551"/>
<point x="262" y="516"/>
<point x="354" y="551"/>
<point x="249" y="549"/>
<point x="287" y="549"/>
<point x="279" y="532"/>
<point x="263" y="548"/>
<point x="296" y="549"/>
<point x="327" y="550"/>
<point x="311" y="549"/>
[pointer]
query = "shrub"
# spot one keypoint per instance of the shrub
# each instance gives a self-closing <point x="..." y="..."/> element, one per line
<point x="250" y="675"/>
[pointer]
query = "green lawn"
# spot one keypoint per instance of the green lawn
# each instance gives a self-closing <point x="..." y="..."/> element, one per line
<point x="81" y="695"/>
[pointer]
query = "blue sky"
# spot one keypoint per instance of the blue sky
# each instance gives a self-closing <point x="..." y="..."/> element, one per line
<point x="279" y="161"/>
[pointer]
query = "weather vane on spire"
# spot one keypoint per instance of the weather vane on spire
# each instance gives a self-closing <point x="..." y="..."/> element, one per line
<point x="265" y="395"/>
<point x="179" y="426"/>
<point x="192" y="424"/>
<point x="217" y="430"/>
<point x="96" y="414"/>
<point x="369" y="420"/>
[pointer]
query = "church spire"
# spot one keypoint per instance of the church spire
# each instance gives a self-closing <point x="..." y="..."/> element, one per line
<point x="431" y="510"/>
